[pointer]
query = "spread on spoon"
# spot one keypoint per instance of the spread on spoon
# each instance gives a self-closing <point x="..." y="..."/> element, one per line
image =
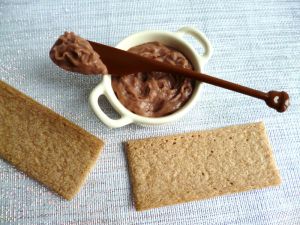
<point x="75" y="54"/>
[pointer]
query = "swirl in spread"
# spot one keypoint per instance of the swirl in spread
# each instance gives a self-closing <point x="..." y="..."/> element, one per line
<point x="75" y="54"/>
<point x="155" y="94"/>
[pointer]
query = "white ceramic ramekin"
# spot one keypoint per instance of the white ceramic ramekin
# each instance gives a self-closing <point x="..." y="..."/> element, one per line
<point x="172" y="39"/>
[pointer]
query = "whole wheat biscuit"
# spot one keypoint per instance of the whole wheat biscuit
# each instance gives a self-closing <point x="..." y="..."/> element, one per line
<point x="200" y="165"/>
<point x="43" y="144"/>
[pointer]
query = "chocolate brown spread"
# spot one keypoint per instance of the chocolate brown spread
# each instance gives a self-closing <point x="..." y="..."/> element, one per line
<point x="75" y="54"/>
<point x="155" y="94"/>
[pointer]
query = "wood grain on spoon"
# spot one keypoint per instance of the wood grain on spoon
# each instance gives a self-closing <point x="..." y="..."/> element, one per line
<point x="119" y="62"/>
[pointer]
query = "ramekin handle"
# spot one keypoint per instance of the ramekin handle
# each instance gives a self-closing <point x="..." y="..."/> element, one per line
<point x="200" y="37"/>
<point x="93" y="100"/>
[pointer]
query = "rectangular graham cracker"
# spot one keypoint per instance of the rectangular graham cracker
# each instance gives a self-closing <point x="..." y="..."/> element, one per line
<point x="200" y="165"/>
<point x="44" y="145"/>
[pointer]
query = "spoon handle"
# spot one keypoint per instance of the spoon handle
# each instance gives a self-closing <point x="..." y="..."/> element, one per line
<point x="278" y="100"/>
<point x="119" y="62"/>
<point x="230" y="86"/>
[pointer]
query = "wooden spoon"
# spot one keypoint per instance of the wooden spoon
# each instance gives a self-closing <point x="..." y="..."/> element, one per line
<point x="119" y="62"/>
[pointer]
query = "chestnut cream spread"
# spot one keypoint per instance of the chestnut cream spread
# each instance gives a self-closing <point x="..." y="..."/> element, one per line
<point x="75" y="54"/>
<point x="155" y="94"/>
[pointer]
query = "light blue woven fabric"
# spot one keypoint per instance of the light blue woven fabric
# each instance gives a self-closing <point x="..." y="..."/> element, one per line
<point x="256" y="43"/>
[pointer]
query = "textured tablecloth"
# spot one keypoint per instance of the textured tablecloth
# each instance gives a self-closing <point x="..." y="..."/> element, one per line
<point x="256" y="43"/>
